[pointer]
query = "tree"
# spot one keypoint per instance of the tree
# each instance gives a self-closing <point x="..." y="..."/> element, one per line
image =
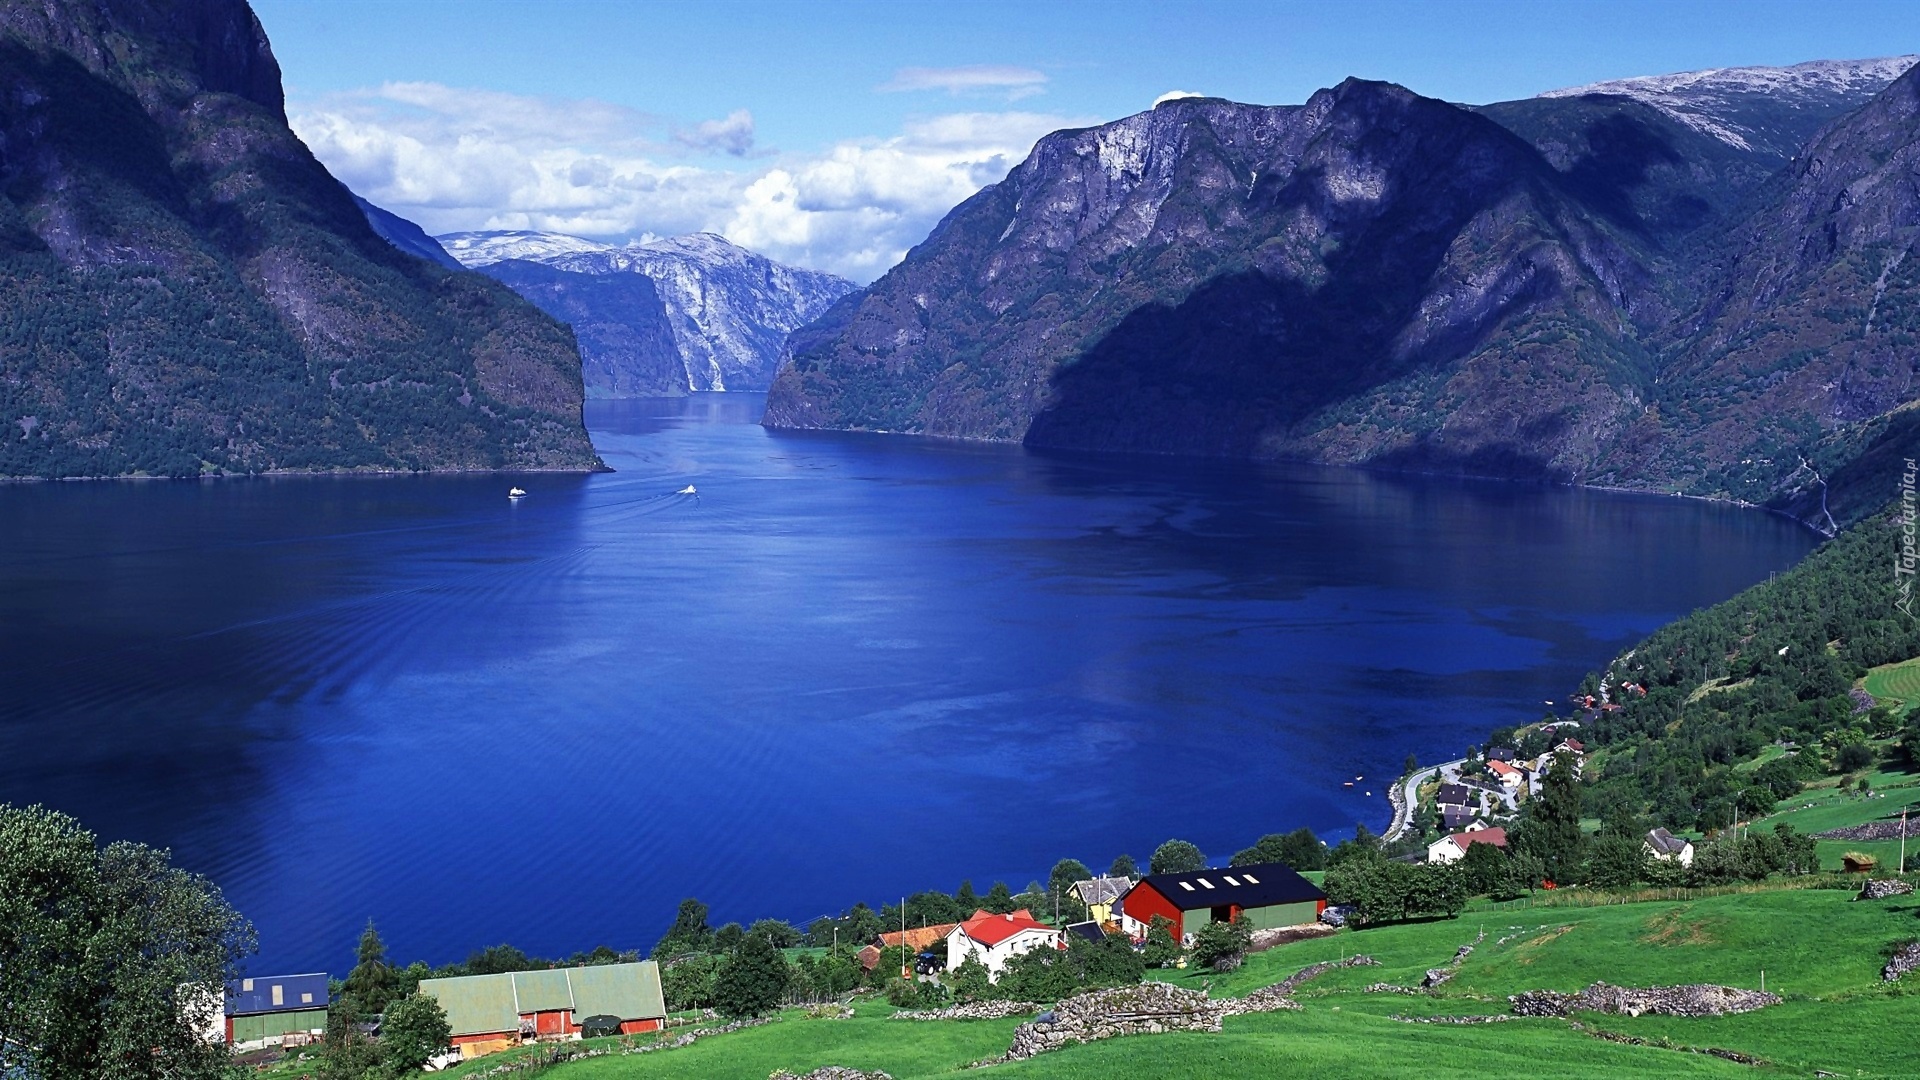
<point x="999" y="899"/>
<point x="727" y="938"/>
<point x="412" y="1032"/>
<point x="1222" y="945"/>
<point x="1176" y="857"/>
<point x="781" y="933"/>
<point x="1481" y="868"/>
<point x="1362" y="845"/>
<point x="1162" y="948"/>
<point x="1123" y="866"/>
<point x="967" y="899"/>
<point x="688" y="934"/>
<point x="1617" y="861"/>
<point x="1553" y="821"/>
<point x="688" y="983"/>
<point x="1299" y="849"/>
<point x="347" y="1053"/>
<point x="751" y="981"/>
<point x="1852" y="756"/>
<point x="112" y="961"/>
<point x="970" y="981"/>
<point x="1060" y="882"/>
<point x="371" y="983"/>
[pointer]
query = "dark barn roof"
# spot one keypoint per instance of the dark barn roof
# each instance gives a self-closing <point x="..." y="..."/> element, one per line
<point x="1257" y="886"/>
<point x="297" y="992"/>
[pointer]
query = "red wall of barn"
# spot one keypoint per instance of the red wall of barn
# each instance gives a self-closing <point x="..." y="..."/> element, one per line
<point x="1145" y="901"/>
<point x="634" y="1027"/>
<point x="484" y="1036"/>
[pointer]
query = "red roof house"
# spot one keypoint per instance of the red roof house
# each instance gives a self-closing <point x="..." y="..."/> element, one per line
<point x="995" y="939"/>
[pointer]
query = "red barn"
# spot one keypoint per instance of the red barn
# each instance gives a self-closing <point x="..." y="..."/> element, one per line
<point x="1264" y="896"/>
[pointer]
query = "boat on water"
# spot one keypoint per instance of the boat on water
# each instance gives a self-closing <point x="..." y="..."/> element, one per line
<point x="688" y="490"/>
<point x="516" y="493"/>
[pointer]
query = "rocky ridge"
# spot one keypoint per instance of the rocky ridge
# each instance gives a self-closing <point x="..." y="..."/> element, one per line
<point x="727" y="310"/>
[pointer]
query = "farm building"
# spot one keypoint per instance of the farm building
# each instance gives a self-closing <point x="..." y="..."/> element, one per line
<point x="1264" y="895"/>
<point x="1099" y="894"/>
<point x="1667" y="847"/>
<point x="492" y="1012"/>
<point x="1454" y="848"/>
<point x="273" y="1011"/>
<point x="995" y="939"/>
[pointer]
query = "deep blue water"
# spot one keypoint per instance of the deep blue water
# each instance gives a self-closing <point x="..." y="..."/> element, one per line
<point x="852" y="667"/>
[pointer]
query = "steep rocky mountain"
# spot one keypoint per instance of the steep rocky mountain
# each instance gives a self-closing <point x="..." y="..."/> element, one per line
<point x="1372" y="276"/>
<point x="1639" y="289"/>
<point x="627" y="346"/>
<point x="1671" y="154"/>
<point x="405" y="235"/>
<point x="1800" y="358"/>
<point x="728" y="309"/>
<point x="184" y="289"/>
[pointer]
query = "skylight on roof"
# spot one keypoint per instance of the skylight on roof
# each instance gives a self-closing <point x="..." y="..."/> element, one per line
<point x="1251" y="880"/>
<point x="1205" y="882"/>
<point x="1230" y="880"/>
<point x="1187" y="886"/>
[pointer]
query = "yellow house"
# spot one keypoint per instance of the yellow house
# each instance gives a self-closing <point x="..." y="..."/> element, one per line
<point x="1099" y="894"/>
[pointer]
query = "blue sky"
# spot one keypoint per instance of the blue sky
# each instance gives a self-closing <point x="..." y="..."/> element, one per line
<point x="835" y="135"/>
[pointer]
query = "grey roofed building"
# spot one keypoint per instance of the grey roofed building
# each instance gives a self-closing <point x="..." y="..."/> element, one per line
<point x="1456" y="795"/>
<point x="1500" y="753"/>
<point x="1666" y="845"/>
<point x="1457" y="818"/>
<point x="1100" y="890"/>
<point x="1089" y="930"/>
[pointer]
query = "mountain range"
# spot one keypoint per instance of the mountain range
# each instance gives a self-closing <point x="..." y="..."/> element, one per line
<point x="662" y="316"/>
<point x="186" y="290"/>
<point x="1689" y="283"/>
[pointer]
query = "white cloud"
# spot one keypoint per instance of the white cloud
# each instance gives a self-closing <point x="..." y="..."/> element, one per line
<point x="1174" y="95"/>
<point x="456" y="159"/>
<point x="733" y="135"/>
<point x="1014" y="82"/>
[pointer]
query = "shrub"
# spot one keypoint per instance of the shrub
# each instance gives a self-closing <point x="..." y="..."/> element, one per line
<point x="1222" y="945"/>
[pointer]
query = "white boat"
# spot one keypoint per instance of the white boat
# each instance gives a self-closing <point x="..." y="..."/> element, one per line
<point x="688" y="490"/>
<point x="516" y="493"/>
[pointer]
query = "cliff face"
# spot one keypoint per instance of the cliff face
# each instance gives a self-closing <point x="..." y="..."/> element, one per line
<point x="627" y="345"/>
<point x="727" y="310"/>
<point x="1373" y="276"/>
<point x="187" y="290"/>
<point x="1799" y="357"/>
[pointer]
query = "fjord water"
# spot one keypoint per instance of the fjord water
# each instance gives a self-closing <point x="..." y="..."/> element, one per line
<point x="848" y="668"/>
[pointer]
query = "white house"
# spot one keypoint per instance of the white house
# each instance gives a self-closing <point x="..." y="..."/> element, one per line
<point x="1454" y="848"/>
<point x="1667" y="847"/>
<point x="995" y="939"/>
<point x="1509" y="777"/>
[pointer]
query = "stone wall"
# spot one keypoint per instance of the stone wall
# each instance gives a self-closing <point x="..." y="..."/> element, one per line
<point x="1904" y="961"/>
<point x="1146" y="1009"/>
<point x="1691" y="1001"/>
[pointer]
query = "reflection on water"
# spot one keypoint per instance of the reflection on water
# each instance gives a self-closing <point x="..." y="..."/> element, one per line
<point x="849" y="667"/>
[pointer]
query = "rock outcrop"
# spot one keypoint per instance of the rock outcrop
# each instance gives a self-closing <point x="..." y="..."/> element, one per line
<point x="1881" y="890"/>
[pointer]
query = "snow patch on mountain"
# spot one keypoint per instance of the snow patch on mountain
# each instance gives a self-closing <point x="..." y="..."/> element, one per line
<point x="1720" y="101"/>
<point x="477" y="249"/>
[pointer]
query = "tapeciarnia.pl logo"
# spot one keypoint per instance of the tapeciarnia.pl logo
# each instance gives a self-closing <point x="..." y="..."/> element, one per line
<point x="1904" y="562"/>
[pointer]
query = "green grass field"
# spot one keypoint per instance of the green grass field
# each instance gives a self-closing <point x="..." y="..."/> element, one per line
<point x="1820" y="950"/>
<point x="1896" y="682"/>
<point x="1823" y="807"/>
